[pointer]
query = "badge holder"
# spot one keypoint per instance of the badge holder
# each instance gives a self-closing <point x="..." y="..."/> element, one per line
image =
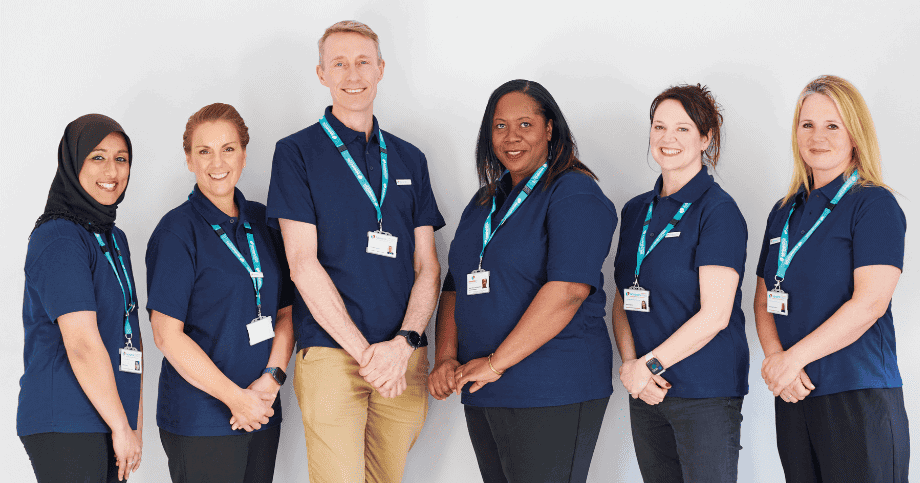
<point x="636" y="298"/>
<point x="381" y="243"/>
<point x="131" y="358"/>
<point x="478" y="281"/>
<point x="777" y="300"/>
<point x="260" y="329"/>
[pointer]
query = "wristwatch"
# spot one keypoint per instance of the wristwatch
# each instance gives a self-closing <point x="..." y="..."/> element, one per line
<point x="412" y="337"/>
<point x="653" y="365"/>
<point x="277" y="374"/>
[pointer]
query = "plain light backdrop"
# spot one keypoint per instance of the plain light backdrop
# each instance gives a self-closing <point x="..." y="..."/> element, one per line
<point x="151" y="64"/>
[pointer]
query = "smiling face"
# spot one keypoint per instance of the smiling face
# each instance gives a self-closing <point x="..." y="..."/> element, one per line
<point x="823" y="141"/>
<point x="105" y="171"/>
<point x="351" y="71"/>
<point x="217" y="158"/>
<point x="520" y="135"/>
<point x="674" y="140"/>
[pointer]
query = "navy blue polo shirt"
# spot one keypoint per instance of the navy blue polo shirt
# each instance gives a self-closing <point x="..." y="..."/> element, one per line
<point x="711" y="232"/>
<point x="66" y="271"/>
<point x="562" y="233"/>
<point x="867" y="227"/>
<point x="192" y="276"/>
<point x="312" y="183"/>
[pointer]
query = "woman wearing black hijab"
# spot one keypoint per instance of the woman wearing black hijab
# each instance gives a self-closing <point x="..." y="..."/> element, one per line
<point x="80" y="406"/>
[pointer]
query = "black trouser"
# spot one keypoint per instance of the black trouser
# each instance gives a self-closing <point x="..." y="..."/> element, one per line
<point x="242" y="458"/>
<point x="687" y="440"/>
<point x="526" y="445"/>
<point x="849" y="436"/>
<point x="71" y="457"/>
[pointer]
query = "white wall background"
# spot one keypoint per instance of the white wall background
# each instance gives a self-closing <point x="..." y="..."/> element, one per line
<point x="151" y="64"/>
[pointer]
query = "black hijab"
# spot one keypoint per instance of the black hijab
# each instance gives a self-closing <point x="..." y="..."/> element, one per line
<point x="67" y="199"/>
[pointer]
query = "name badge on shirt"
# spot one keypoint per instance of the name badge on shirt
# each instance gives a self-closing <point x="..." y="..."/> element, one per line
<point x="260" y="329"/>
<point x="382" y="244"/>
<point x="636" y="300"/>
<point x="403" y="182"/>
<point x="478" y="282"/>
<point x="673" y="234"/>
<point x="131" y="360"/>
<point x="778" y="302"/>
<point x="774" y="241"/>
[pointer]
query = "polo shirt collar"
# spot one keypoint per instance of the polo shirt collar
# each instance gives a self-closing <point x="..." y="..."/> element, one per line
<point x="830" y="190"/>
<point x="347" y="134"/>
<point x="692" y="191"/>
<point x="212" y="214"/>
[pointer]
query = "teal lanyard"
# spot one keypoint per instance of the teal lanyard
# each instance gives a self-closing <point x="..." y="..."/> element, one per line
<point x="487" y="232"/>
<point x="785" y="259"/>
<point x="256" y="275"/>
<point x="641" y="253"/>
<point x="357" y="172"/>
<point x="127" y="297"/>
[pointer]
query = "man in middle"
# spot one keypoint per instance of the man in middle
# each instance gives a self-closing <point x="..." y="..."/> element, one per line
<point x="357" y="213"/>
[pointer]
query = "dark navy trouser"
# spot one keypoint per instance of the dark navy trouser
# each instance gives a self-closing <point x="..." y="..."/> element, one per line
<point x="687" y="440"/>
<point x="552" y="444"/>
<point x="849" y="436"/>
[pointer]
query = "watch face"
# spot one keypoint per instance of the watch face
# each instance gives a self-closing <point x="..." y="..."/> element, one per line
<point x="414" y="338"/>
<point x="654" y="366"/>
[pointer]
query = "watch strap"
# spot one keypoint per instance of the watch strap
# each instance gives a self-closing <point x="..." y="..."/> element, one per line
<point x="277" y="374"/>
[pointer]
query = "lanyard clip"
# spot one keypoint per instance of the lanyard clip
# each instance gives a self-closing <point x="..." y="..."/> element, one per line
<point x="128" y="345"/>
<point x="776" y="287"/>
<point x="380" y="225"/>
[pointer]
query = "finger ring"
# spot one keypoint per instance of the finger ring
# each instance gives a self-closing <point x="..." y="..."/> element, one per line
<point x="461" y="375"/>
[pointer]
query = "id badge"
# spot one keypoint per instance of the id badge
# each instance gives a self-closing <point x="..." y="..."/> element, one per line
<point x="382" y="244"/>
<point x="478" y="282"/>
<point x="778" y="303"/>
<point x="131" y="360"/>
<point x="260" y="329"/>
<point x="635" y="300"/>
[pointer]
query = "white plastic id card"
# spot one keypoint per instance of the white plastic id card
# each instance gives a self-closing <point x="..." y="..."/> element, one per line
<point x="131" y="360"/>
<point x="478" y="282"/>
<point x="260" y="329"/>
<point x="635" y="300"/>
<point x="382" y="244"/>
<point x="778" y="303"/>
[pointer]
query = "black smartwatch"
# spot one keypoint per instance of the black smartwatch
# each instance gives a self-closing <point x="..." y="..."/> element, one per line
<point x="412" y="337"/>
<point x="277" y="374"/>
<point x="653" y="365"/>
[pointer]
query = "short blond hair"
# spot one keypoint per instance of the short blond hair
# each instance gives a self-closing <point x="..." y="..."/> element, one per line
<point x="353" y="26"/>
<point x="857" y="120"/>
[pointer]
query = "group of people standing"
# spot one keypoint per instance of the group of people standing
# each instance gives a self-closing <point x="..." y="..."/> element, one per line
<point x="342" y="263"/>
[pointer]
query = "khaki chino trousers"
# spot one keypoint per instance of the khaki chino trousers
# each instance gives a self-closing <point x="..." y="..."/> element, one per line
<point x="353" y="433"/>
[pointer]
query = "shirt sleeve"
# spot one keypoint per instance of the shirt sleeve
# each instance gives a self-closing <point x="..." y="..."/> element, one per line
<point x="289" y="190"/>
<point x="170" y="275"/>
<point x="878" y="234"/>
<point x="765" y="247"/>
<point x="449" y="285"/>
<point x="426" y="209"/>
<point x="579" y="230"/>
<point x="723" y="238"/>
<point x="60" y="273"/>
<point x="288" y="290"/>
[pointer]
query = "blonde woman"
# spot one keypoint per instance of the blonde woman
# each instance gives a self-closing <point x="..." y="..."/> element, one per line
<point x="831" y="258"/>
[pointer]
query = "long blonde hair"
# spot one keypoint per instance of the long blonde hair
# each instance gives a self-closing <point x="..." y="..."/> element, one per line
<point x="856" y="119"/>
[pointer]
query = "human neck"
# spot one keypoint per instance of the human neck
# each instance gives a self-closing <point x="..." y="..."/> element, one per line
<point x="226" y="204"/>
<point x="362" y="121"/>
<point x="673" y="181"/>
<point x="823" y="177"/>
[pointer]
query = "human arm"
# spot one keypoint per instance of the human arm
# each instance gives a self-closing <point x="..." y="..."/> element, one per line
<point x="251" y="409"/>
<point x="317" y="290"/>
<point x="718" y="286"/>
<point x="92" y="367"/>
<point x="282" y="347"/>
<point x="388" y="361"/>
<point x="657" y="387"/>
<point x="873" y="287"/>
<point x="441" y="381"/>
<point x="550" y="311"/>
<point x="801" y="386"/>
